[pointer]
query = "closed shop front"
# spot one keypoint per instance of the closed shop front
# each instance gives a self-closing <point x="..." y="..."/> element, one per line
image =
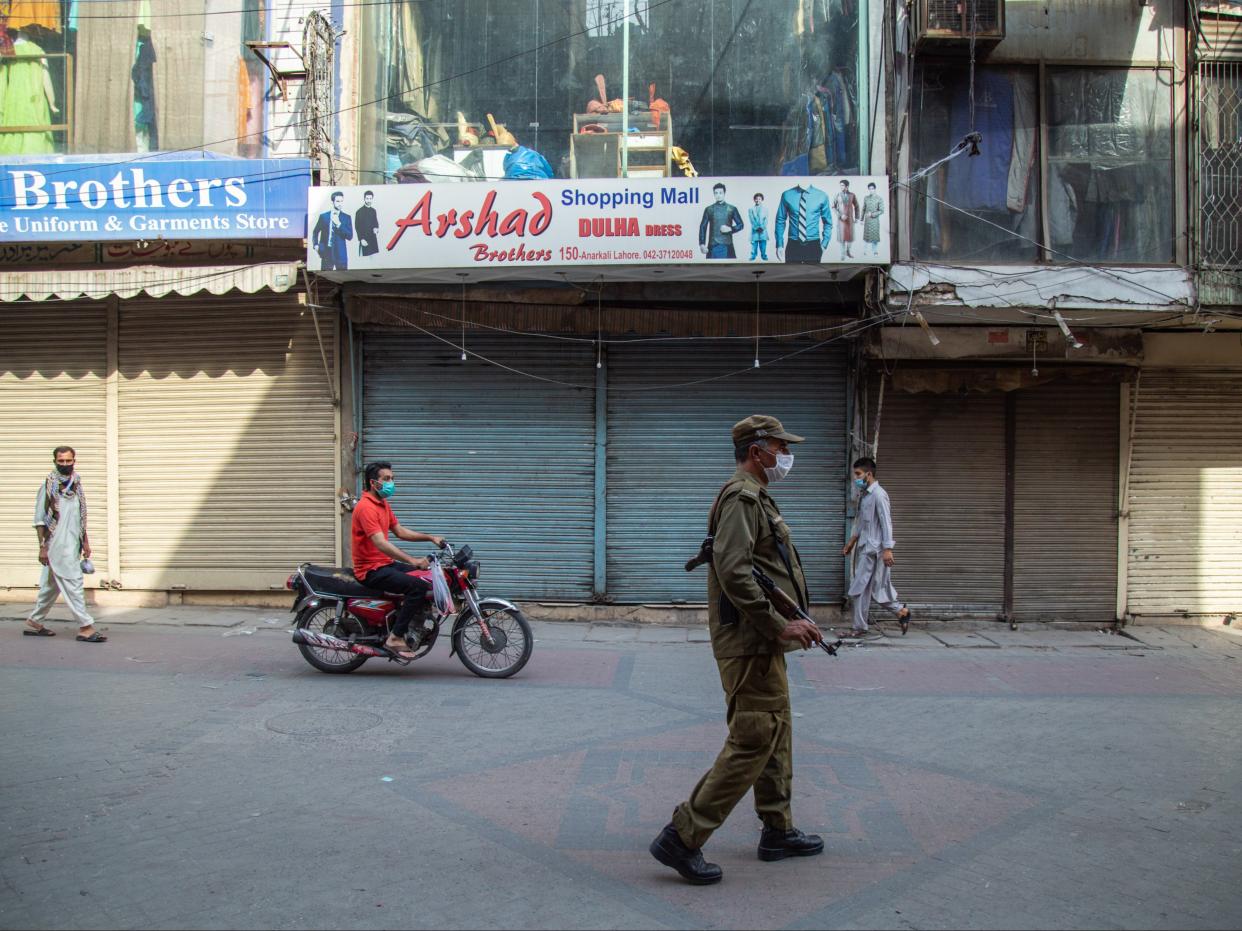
<point x="1065" y="503"/>
<point x="205" y="424"/>
<point x="669" y="450"/>
<point x="53" y="391"/>
<point x="578" y="482"/>
<point x="227" y="442"/>
<point x="490" y="457"/>
<point x="942" y="461"/>
<point x="1005" y="503"/>
<point x="1185" y="494"/>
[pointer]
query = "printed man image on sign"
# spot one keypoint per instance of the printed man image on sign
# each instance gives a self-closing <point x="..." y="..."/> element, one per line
<point x="332" y="234"/>
<point x="720" y="221"/>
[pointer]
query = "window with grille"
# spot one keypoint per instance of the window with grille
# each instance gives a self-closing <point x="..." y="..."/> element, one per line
<point x="1220" y="164"/>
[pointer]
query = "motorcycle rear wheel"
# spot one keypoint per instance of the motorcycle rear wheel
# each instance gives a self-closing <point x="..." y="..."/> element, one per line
<point x="323" y="620"/>
<point x="509" y="649"/>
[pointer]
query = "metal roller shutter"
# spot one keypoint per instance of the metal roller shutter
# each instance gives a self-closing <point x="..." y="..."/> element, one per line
<point x="1220" y="38"/>
<point x="942" y="461"/>
<point x="1185" y="494"/>
<point x="497" y="459"/>
<point x="669" y="451"/>
<point x="1065" y="503"/>
<point x="227" y="443"/>
<point x="53" y="391"/>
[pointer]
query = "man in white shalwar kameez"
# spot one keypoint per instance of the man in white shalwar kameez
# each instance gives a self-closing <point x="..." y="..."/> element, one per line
<point x="60" y="522"/>
<point x="873" y="540"/>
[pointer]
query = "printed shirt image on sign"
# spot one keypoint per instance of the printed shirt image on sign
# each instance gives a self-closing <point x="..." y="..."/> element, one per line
<point x="488" y="457"/>
<point x="669" y="451"/>
<point x="782" y="221"/>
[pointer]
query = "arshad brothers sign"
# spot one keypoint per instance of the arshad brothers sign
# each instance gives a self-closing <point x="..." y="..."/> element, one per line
<point x="824" y="220"/>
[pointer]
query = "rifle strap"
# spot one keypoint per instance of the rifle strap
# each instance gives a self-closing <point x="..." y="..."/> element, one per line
<point x="711" y="516"/>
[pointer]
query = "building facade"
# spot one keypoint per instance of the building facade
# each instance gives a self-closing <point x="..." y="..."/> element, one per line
<point x="153" y="315"/>
<point x="1057" y="384"/>
<point x="1031" y="321"/>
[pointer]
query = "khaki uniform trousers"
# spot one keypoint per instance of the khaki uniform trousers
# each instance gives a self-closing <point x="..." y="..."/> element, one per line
<point x="758" y="753"/>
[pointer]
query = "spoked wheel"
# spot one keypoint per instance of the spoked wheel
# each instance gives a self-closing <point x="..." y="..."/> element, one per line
<point x="501" y="654"/>
<point x="322" y="620"/>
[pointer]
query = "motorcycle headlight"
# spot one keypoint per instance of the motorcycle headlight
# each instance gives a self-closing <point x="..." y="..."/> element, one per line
<point x="472" y="569"/>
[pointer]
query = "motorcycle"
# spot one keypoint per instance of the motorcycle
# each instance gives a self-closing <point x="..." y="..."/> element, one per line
<point x="340" y="623"/>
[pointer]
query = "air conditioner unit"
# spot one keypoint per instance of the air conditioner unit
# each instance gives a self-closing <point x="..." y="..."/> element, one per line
<point x="949" y="25"/>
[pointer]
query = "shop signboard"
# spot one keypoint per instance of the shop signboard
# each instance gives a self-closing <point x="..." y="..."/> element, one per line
<point x="144" y="199"/>
<point x="823" y="220"/>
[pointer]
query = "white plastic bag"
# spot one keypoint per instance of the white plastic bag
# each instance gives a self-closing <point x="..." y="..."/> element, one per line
<point x="440" y="589"/>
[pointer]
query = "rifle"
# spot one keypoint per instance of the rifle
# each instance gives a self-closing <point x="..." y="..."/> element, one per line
<point x="788" y="608"/>
<point x="785" y="606"/>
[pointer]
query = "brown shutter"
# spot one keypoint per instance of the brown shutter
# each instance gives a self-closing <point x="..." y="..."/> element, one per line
<point x="1065" y="503"/>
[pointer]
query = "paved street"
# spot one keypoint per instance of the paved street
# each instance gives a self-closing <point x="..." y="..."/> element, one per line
<point x="206" y="776"/>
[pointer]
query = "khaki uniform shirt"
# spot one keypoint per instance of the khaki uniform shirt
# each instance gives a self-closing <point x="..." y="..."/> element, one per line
<point x="743" y="538"/>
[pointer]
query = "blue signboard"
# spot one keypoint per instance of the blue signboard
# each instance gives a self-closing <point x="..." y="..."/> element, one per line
<point x="139" y="197"/>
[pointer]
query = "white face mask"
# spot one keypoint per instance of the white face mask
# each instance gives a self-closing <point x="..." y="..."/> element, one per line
<point x="784" y="462"/>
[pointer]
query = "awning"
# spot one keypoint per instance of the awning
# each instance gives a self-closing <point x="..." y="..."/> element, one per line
<point x="152" y="280"/>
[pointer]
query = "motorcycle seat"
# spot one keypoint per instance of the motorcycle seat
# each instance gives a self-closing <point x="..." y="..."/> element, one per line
<point x="337" y="580"/>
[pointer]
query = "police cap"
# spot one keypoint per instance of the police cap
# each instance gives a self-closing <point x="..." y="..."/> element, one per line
<point x="761" y="427"/>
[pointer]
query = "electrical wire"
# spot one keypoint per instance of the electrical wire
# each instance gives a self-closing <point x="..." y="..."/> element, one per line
<point x="1073" y="261"/>
<point x="305" y="5"/>
<point x="591" y="387"/>
<point x="584" y="340"/>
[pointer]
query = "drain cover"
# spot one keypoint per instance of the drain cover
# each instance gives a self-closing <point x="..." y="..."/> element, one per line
<point x="322" y="723"/>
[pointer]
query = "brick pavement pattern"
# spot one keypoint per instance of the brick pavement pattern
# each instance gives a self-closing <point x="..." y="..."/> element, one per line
<point x="206" y="777"/>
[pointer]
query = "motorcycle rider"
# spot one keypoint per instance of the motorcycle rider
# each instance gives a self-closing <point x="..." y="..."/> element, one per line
<point x="382" y="565"/>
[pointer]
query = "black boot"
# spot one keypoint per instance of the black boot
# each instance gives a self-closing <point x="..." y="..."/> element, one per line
<point x="776" y="844"/>
<point x="669" y="850"/>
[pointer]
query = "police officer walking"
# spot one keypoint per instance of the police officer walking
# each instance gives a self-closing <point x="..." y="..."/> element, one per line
<point x="749" y="640"/>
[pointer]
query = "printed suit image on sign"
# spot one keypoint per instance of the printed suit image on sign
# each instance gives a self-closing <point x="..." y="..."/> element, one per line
<point x="626" y="221"/>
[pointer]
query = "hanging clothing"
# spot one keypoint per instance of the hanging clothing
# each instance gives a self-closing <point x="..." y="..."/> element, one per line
<point x="21" y="13"/>
<point x="981" y="182"/>
<point x="25" y="86"/>
<point x="146" y="128"/>
<point x="180" y="74"/>
<point x="103" y="107"/>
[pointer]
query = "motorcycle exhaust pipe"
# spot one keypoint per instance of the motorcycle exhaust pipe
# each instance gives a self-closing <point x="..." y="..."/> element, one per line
<point x="312" y="638"/>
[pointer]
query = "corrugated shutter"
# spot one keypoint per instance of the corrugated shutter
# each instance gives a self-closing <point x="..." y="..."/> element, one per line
<point x="1185" y="494"/>
<point x="227" y="442"/>
<point x="942" y="461"/>
<point x="53" y="378"/>
<point x="1065" y="503"/>
<point x="497" y="459"/>
<point x="669" y="451"/>
<point x="1220" y="38"/>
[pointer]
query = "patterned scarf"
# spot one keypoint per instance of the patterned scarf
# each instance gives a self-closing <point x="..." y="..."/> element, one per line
<point x="55" y="488"/>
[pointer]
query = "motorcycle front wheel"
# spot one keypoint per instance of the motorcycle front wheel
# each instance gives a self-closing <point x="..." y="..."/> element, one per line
<point x="502" y="654"/>
<point x="322" y="620"/>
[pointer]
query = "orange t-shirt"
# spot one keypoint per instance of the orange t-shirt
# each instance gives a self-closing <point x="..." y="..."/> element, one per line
<point x="371" y="515"/>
